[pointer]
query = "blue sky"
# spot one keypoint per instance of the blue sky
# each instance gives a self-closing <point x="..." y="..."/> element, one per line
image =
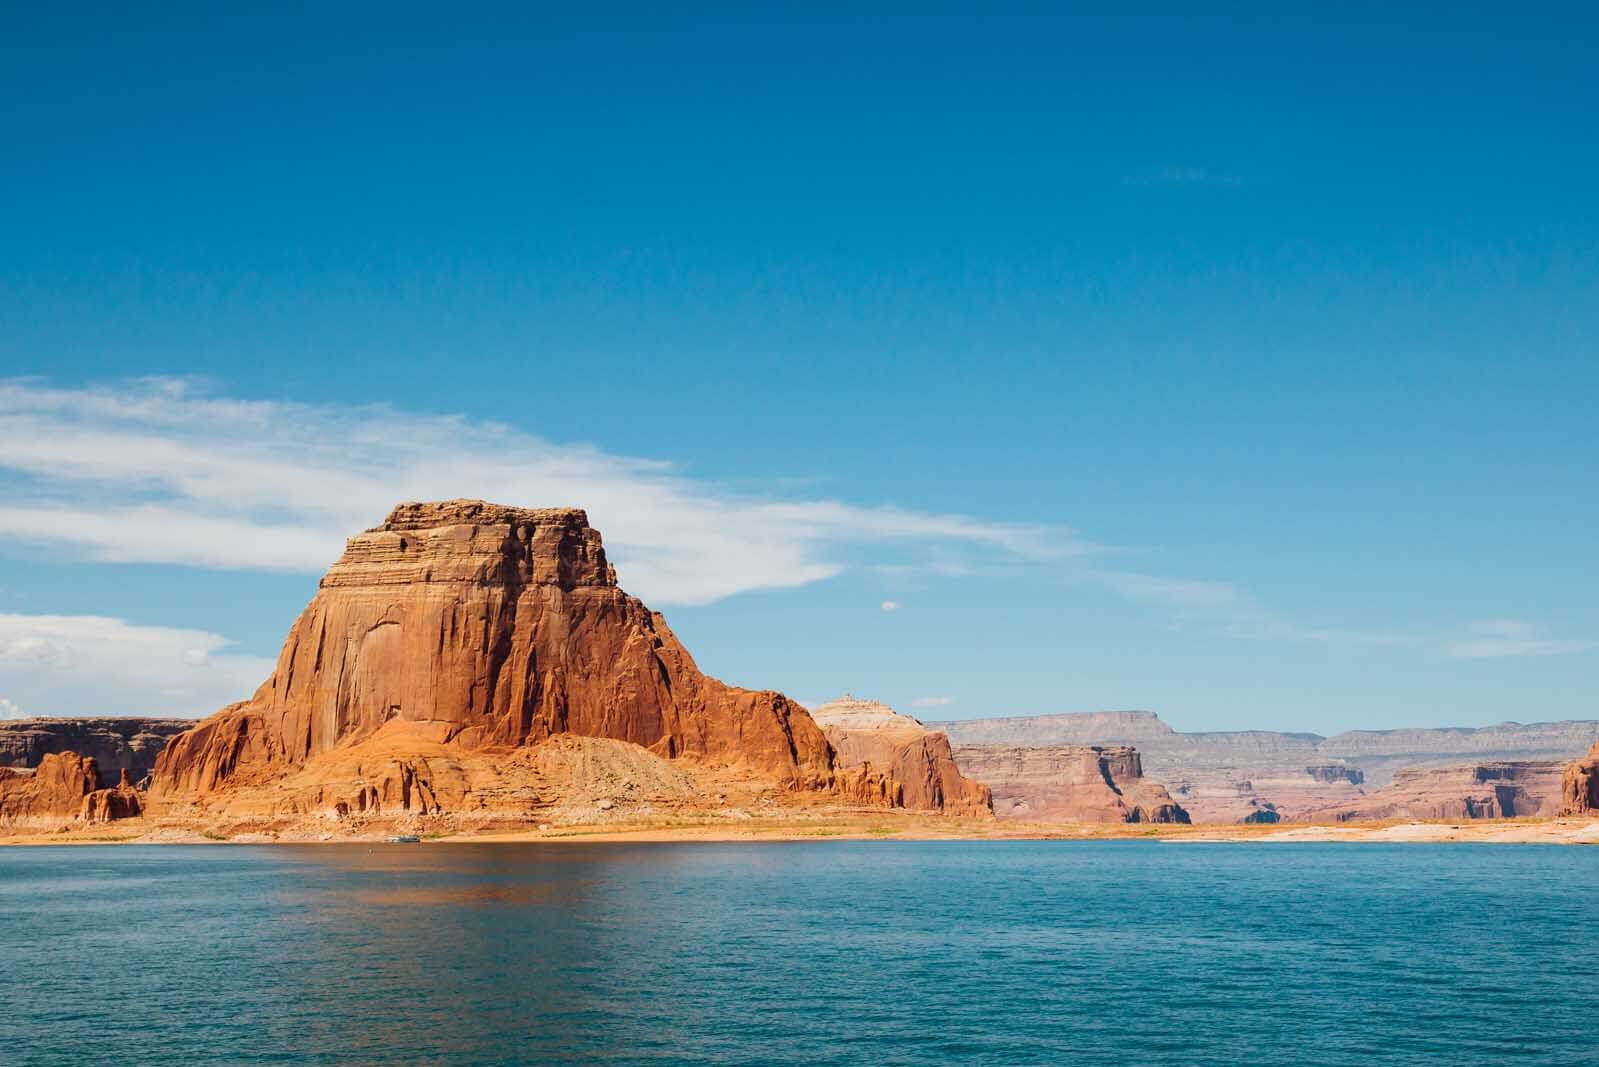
<point x="1240" y="368"/>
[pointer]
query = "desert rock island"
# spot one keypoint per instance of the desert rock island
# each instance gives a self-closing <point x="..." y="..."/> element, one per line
<point x="468" y="668"/>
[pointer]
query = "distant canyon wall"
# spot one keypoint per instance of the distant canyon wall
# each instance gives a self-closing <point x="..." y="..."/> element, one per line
<point x="115" y="744"/>
<point x="1268" y="776"/>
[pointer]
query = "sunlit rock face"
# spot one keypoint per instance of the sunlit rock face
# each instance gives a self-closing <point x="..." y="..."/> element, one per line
<point x="866" y="733"/>
<point x="482" y="627"/>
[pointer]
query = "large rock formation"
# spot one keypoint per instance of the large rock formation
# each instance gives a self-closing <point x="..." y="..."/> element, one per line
<point x="122" y="801"/>
<point x="53" y="791"/>
<point x="1070" y="783"/>
<point x="115" y="745"/>
<point x="1226" y="777"/>
<point x="868" y="734"/>
<point x="1579" y="785"/>
<point x="451" y="637"/>
<point x="1474" y="791"/>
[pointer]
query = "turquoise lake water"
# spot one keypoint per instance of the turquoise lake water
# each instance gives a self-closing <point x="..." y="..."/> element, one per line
<point x="1135" y="953"/>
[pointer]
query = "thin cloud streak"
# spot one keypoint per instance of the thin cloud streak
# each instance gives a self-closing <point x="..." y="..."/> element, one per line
<point x="160" y="471"/>
<point x="1503" y="638"/>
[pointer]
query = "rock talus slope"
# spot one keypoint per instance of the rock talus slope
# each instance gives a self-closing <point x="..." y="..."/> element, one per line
<point x="455" y="634"/>
<point x="866" y="733"/>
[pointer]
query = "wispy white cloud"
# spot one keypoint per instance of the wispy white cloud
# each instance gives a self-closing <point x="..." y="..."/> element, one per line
<point x="10" y="710"/>
<point x="1498" y="638"/>
<point x="931" y="702"/>
<point x="162" y="471"/>
<point x="96" y="665"/>
<point x="889" y="605"/>
<point x="1184" y="593"/>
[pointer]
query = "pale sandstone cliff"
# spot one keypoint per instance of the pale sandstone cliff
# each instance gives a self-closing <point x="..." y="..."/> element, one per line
<point x="1475" y="791"/>
<point x="1070" y="783"/>
<point x="868" y="734"/>
<point x="445" y="643"/>
<point x="1227" y="777"/>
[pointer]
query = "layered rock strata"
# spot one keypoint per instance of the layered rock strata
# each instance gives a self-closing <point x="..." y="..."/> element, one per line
<point x="53" y="791"/>
<point x="870" y="735"/>
<point x="115" y="744"/>
<point x="1226" y="777"/>
<point x="1475" y="791"/>
<point x="1070" y="783"/>
<point x="449" y="640"/>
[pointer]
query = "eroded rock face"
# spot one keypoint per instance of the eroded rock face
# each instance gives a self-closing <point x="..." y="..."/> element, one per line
<point x="868" y="734"/>
<point x="1474" y="791"/>
<point x="107" y="805"/>
<point x="115" y="744"/>
<point x="55" y="790"/>
<point x="1579" y="785"/>
<point x="1328" y="773"/>
<point x="486" y="628"/>
<point x="1223" y="777"/>
<point x="1070" y="783"/>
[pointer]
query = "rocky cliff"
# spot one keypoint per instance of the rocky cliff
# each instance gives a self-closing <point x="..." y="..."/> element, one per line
<point x="867" y="734"/>
<point x="1074" y="783"/>
<point x="1579" y="785"/>
<point x="1473" y="791"/>
<point x="115" y="745"/>
<point x="449" y="639"/>
<point x="52" y="791"/>
<point x="1225" y="777"/>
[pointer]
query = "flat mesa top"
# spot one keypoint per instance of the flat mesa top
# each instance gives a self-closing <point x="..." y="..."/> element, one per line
<point x="424" y="515"/>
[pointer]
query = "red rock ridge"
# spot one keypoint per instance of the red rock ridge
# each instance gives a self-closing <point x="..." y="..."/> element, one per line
<point x="488" y="628"/>
<point x="872" y="735"/>
<point x="1579" y="785"/>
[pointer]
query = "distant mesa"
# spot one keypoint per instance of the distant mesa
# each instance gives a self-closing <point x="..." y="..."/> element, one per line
<point x="1506" y="790"/>
<point x="1070" y="783"/>
<point x="868" y="735"/>
<point x="115" y="744"/>
<point x="1228" y="776"/>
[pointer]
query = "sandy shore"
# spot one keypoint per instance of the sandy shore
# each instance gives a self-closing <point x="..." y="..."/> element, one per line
<point x="798" y="827"/>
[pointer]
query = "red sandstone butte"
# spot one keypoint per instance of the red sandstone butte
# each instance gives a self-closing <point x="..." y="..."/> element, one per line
<point x="56" y="789"/>
<point x="1579" y="786"/>
<point x="453" y="637"/>
<point x="868" y="734"/>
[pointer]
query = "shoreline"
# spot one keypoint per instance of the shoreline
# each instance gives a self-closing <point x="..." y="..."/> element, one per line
<point x="812" y="828"/>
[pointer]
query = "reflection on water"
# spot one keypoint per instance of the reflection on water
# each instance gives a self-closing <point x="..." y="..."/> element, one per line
<point x="880" y="953"/>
